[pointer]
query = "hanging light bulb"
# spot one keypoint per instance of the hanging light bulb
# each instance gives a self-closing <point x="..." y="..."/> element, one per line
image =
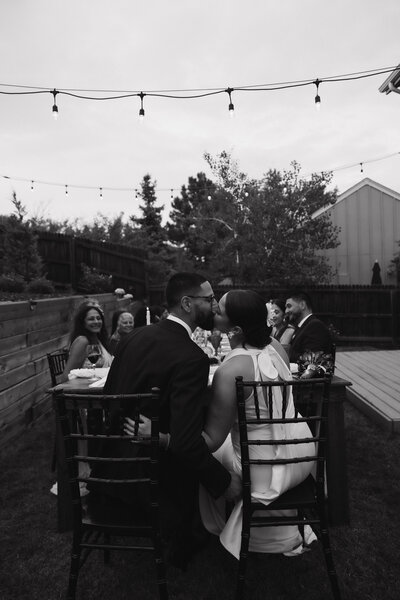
<point x="55" y="107"/>
<point x="101" y="192"/>
<point x="66" y="190"/>
<point x="231" y="108"/>
<point x="317" y="97"/>
<point x="135" y="194"/>
<point x="141" y="111"/>
<point x="361" y="166"/>
<point x="209" y="197"/>
<point x="32" y="185"/>
<point x="172" y="194"/>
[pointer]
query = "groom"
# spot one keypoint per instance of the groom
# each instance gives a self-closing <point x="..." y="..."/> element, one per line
<point x="163" y="355"/>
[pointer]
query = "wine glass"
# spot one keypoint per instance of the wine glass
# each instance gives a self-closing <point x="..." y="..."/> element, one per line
<point x="215" y="339"/>
<point x="93" y="354"/>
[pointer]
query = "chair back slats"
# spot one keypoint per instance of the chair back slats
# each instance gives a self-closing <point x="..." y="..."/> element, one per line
<point x="92" y="429"/>
<point x="310" y="399"/>
<point x="106" y="431"/>
<point x="57" y="361"/>
<point x="287" y="403"/>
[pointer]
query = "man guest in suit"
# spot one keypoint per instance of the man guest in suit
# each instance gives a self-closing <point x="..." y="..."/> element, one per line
<point x="310" y="334"/>
<point x="163" y="355"/>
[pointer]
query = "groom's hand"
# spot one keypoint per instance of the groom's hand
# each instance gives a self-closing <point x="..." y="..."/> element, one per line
<point x="233" y="492"/>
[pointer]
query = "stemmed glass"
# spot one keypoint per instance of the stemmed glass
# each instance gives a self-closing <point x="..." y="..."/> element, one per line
<point x="215" y="339"/>
<point x="93" y="354"/>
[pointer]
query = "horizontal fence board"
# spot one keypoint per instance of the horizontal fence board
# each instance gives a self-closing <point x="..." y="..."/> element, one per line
<point x="11" y="328"/>
<point x="13" y="343"/>
<point x="12" y="361"/>
<point x="12" y="397"/>
<point x="11" y="378"/>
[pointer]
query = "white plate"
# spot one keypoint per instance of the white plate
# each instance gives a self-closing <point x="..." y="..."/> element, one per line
<point x="294" y="368"/>
<point x="88" y="373"/>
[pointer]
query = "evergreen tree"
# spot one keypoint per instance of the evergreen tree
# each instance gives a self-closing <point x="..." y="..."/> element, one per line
<point x="149" y="234"/>
<point x="19" y="250"/>
<point x="148" y="227"/>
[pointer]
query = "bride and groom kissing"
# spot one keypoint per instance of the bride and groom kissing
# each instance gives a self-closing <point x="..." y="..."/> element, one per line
<point x="203" y="453"/>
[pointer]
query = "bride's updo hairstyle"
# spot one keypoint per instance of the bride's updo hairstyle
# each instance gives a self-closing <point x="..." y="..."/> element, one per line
<point x="247" y="309"/>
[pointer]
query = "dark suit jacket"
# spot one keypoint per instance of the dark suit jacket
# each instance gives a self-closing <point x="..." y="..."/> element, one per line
<point x="313" y="335"/>
<point x="163" y="355"/>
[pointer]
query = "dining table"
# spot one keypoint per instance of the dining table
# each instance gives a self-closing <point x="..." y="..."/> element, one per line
<point x="336" y="464"/>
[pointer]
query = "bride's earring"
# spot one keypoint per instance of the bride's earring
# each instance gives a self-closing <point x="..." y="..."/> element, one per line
<point x="230" y="334"/>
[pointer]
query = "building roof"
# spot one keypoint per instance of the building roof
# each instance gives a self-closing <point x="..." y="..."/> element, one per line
<point x="355" y="188"/>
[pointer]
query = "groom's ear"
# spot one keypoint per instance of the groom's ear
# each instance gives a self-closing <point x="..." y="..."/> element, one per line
<point x="186" y="304"/>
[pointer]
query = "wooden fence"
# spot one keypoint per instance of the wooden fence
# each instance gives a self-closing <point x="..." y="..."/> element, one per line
<point x="28" y="331"/>
<point x="63" y="256"/>
<point x="361" y="314"/>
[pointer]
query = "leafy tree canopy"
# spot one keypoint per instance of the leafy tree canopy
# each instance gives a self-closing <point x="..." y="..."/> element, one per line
<point x="256" y="232"/>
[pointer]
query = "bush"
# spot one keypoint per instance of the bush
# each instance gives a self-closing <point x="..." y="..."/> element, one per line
<point x="94" y="282"/>
<point x="11" y="282"/>
<point x="40" y="285"/>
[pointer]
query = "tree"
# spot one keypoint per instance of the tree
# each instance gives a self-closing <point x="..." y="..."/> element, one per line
<point x="149" y="234"/>
<point x="280" y="233"/>
<point x="148" y="226"/>
<point x="255" y="231"/>
<point x="19" y="253"/>
<point x="201" y="223"/>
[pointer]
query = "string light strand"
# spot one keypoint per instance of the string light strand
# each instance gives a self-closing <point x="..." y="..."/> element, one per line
<point x="171" y="190"/>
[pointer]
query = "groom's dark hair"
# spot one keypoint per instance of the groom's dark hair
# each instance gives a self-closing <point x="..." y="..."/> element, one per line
<point x="182" y="284"/>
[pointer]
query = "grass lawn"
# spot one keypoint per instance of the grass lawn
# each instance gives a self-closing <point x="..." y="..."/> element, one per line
<point x="34" y="558"/>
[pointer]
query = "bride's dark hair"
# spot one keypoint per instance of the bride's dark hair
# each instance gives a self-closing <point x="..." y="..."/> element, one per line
<point x="247" y="309"/>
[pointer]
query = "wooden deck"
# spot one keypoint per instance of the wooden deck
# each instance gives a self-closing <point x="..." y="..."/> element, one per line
<point x="375" y="375"/>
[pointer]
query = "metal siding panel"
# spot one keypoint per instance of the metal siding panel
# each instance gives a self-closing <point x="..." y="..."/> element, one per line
<point x="370" y="229"/>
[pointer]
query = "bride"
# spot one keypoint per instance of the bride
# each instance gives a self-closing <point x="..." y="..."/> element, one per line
<point x="243" y="316"/>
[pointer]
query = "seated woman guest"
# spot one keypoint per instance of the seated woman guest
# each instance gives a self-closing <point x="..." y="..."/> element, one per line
<point x="122" y="324"/>
<point x="281" y="329"/>
<point x="88" y="328"/>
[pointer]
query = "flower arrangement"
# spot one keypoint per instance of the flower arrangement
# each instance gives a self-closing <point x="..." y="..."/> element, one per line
<point x="315" y="364"/>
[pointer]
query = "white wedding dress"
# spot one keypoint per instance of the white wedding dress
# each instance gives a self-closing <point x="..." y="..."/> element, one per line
<point x="268" y="482"/>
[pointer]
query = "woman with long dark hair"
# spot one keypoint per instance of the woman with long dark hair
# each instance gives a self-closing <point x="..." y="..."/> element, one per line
<point x="281" y="328"/>
<point x="88" y="329"/>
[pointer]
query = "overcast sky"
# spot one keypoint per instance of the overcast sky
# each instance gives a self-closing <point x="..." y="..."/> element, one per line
<point x="180" y="44"/>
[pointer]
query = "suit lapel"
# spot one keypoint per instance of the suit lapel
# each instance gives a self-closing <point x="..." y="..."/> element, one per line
<point x="299" y="330"/>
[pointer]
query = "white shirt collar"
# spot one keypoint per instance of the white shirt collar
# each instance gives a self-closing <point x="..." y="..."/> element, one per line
<point x="304" y="320"/>
<point x="178" y="320"/>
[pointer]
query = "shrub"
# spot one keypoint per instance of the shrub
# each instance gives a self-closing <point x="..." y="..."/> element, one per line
<point x="40" y="285"/>
<point x="11" y="282"/>
<point x="92" y="281"/>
